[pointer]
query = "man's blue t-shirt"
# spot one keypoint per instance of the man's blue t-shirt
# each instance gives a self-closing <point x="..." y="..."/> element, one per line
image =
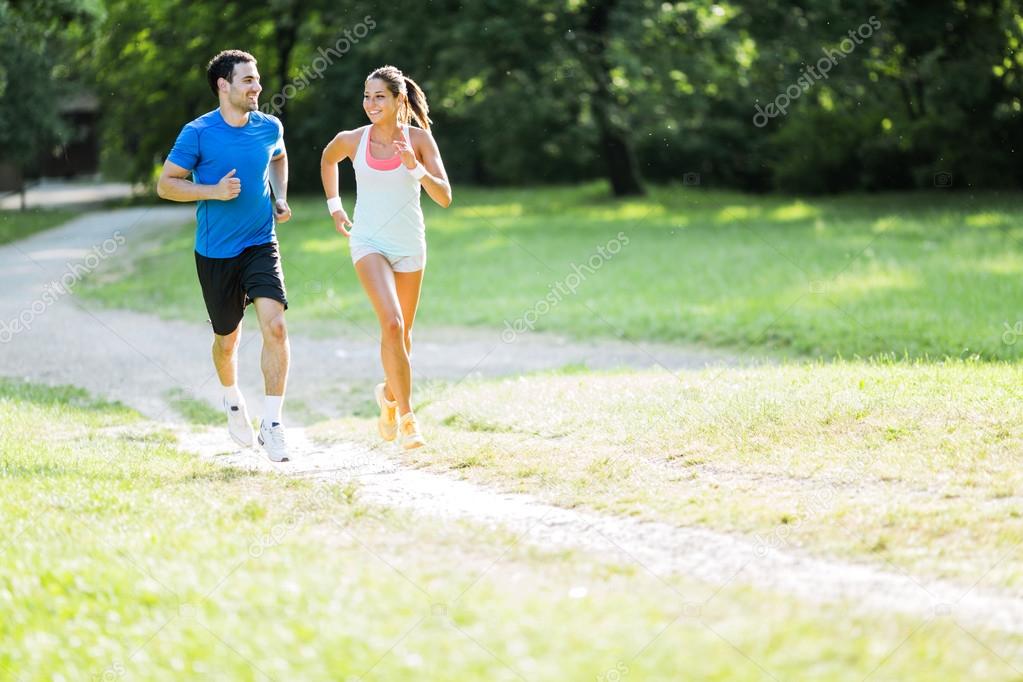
<point x="210" y="148"/>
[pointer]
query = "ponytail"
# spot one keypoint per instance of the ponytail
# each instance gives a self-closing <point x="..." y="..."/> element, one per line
<point x="417" y="106"/>
<point x="413" y="105"/>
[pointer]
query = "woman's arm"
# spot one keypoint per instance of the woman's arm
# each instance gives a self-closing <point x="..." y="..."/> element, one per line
<point x="435" y="181"/>
<point x="340" y="148"/>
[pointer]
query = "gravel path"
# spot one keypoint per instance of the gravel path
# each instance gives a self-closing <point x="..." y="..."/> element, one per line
<point x="660" y="549"/>
<point x="53" y="192"/>
<point x="138" y="358"/>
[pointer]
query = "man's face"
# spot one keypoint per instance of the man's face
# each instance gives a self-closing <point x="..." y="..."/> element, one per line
<point x="244" y="88"/>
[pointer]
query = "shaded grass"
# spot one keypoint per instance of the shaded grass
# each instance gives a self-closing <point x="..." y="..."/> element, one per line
<point x="121" y="557"/>
<point x="915" y="465"/>
<point x="923" y="275"/>
<point x="16" y="225"/>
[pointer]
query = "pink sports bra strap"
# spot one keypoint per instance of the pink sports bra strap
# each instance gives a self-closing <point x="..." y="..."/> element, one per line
<point x="379" y="164"/>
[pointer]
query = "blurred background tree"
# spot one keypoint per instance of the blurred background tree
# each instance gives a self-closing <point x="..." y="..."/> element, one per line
<point x="545" y="91"/>
<point x="38" y="73"/>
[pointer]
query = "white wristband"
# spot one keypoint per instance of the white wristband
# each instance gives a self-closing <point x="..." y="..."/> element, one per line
<point x="334" y="205"/>
<point x="418" y="172"/>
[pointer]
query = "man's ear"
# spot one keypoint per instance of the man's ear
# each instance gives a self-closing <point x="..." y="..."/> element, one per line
<point x="226" y="84"/>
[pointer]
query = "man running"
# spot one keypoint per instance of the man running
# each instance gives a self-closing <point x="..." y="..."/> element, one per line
<point x="235" y="156"/>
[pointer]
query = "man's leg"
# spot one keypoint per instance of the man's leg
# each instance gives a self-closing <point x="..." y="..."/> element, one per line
<point x="276" y="355"/>
<point x="225" y="359"/>
<point x="225" y="356"/>
<point x="225" y="304"/>
<point x="263" y="280"/>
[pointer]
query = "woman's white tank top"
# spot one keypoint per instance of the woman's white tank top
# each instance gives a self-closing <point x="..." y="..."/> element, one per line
<point x="388" y="216"/>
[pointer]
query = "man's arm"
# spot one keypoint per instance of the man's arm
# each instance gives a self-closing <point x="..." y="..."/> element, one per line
<point x="279" y="186"/>
<point x="279" y="176"/>
<point x="173" y="185"/>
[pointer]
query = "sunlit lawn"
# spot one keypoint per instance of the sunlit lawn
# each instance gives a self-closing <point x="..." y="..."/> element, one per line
<point x="929" y="274"/>
<point x="123" y="558"/>
<point x="908" y="465"/>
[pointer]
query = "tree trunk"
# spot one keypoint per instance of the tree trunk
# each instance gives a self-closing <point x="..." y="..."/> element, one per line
<point x="615" y="145"/>
<point x="619" y="158"/>
<point x="285" y="34"/>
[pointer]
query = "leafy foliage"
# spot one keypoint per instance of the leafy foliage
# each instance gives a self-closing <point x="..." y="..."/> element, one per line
<point x="566" y="90"/>
<point x="36" y="72"/>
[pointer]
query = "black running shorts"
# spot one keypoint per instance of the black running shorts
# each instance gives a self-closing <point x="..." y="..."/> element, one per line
<point x="230" y="284"/>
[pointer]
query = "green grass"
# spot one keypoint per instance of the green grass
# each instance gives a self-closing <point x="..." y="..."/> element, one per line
<point x="192" y="409"/>
<point x="925" y="275"/>
<point x="123" y="558"/>
<point x="915" y="465"/>
<point x="16" y="225"/>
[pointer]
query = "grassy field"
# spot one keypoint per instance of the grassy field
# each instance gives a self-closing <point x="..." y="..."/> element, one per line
<point x="123" y="558"/>
<point x="920" y="275"/>
<point x="20" y="224"/>
<point x="913" y="465"/>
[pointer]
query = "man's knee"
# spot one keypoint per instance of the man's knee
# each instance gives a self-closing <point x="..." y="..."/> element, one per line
<point x="228" y="344"/>
<point x="275" y="329"/>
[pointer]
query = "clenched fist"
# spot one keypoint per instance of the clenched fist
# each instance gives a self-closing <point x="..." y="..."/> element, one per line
<point x="282" y="212"/>
<point x="229" y="186"/>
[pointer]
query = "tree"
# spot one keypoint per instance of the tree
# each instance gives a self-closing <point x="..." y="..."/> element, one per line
<point x="566" y="90"/>
<point x="34" y="47"/>
<point x="613" y="129"/>
<point x="151" y="67"/>
<point x="935" y="88"/>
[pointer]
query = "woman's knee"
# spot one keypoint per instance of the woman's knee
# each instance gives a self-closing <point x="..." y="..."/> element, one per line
<point x="393" y="326"/>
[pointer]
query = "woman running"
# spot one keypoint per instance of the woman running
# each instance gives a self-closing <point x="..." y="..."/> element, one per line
<point x="392" y="162"/>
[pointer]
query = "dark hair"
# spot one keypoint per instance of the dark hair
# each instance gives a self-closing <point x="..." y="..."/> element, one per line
<point x="222" y="66"/>
<point x="413" y="104"/>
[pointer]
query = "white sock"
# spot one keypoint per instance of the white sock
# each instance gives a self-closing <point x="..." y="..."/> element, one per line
<point x="272" y="405"/>
<point x="232" y="395"/>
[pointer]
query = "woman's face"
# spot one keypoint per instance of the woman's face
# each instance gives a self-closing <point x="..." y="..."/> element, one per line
<point x="378" y="102"/>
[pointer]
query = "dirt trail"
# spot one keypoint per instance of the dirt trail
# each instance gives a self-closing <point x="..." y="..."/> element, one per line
<point x="716" y="558"/>
<point x="137" y="358"/>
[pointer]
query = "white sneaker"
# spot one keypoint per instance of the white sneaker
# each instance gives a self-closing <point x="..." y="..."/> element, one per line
<point x="238" y="424"/>
<point x="272" y="439"/>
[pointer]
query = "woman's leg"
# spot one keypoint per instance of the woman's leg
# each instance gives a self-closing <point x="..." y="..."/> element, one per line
<point x="379" y="282"/>
<point x="408" y="285"/>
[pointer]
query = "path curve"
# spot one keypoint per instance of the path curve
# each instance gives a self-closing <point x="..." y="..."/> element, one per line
<point x="137" y="358"/>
